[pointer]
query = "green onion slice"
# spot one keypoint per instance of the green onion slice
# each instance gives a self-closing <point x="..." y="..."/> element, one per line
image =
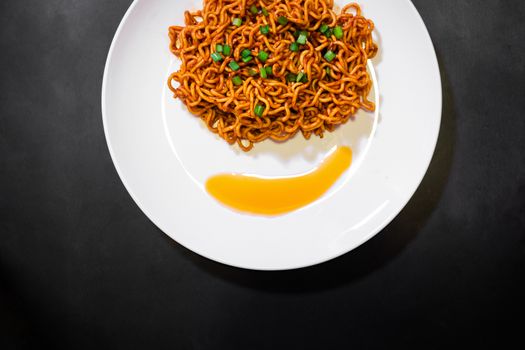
<point x="282" y="20"/>
<point x="263" y="56"/>
<point x="216" y="57"/>
<point x="236" y="80"/>
<point x="329" y="56"/>
<point x="234" y="65"/>
<point x="259" y="110"/>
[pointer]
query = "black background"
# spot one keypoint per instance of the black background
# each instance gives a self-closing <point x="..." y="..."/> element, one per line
<point x="81" y="267"/>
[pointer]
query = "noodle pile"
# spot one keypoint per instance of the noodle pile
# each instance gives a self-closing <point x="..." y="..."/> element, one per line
<point x="267" y="69"/>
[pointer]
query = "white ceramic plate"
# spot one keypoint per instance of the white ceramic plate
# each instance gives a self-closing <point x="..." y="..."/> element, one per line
<point x="164" y="155"/>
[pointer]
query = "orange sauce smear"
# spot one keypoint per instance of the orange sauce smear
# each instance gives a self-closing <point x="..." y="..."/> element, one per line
<point x="276" y="196"/>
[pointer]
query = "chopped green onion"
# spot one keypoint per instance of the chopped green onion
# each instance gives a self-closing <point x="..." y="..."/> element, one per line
<point x="237" y="22"/>
<point x="294" y="47"/>
<point x="291" y="78"/>
<point x="218" y="48"/>
<point x="269" y="70"/>
<point x="246" y="53"/>
<point x="262" y="72"/>
<point x="265" y="29"/>
<point x="226" y="50"/>
<point x="252" y="72"/>
<point x="302" y="38"/>
<point x="324" y="28"/>
<point x="329" y="56"/>
<point x="234" y="65"/>
<point x="327" y="69"/>
<point x="259" y="110"/>
<point x="216" y="57"/>
<point x="304" y="79"/>
<point x="247" y="59"/>
<point x="296" y="34"/>
<point x="254" y="10"/>
<point x="338" y="32"/>
<point x="282" y="20"/>
<point x="236" y="80"/>
<point x="329" y="33"/>
<point x="264" y="12"/>
<point x="301" y="78"/>
<point x="263" y="56"/>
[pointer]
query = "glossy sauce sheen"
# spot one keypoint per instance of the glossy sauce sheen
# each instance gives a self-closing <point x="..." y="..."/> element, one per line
<point x="276" y="196"/>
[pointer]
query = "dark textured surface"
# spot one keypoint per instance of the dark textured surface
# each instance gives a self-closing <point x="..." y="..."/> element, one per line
<point x="82" y="268"/>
